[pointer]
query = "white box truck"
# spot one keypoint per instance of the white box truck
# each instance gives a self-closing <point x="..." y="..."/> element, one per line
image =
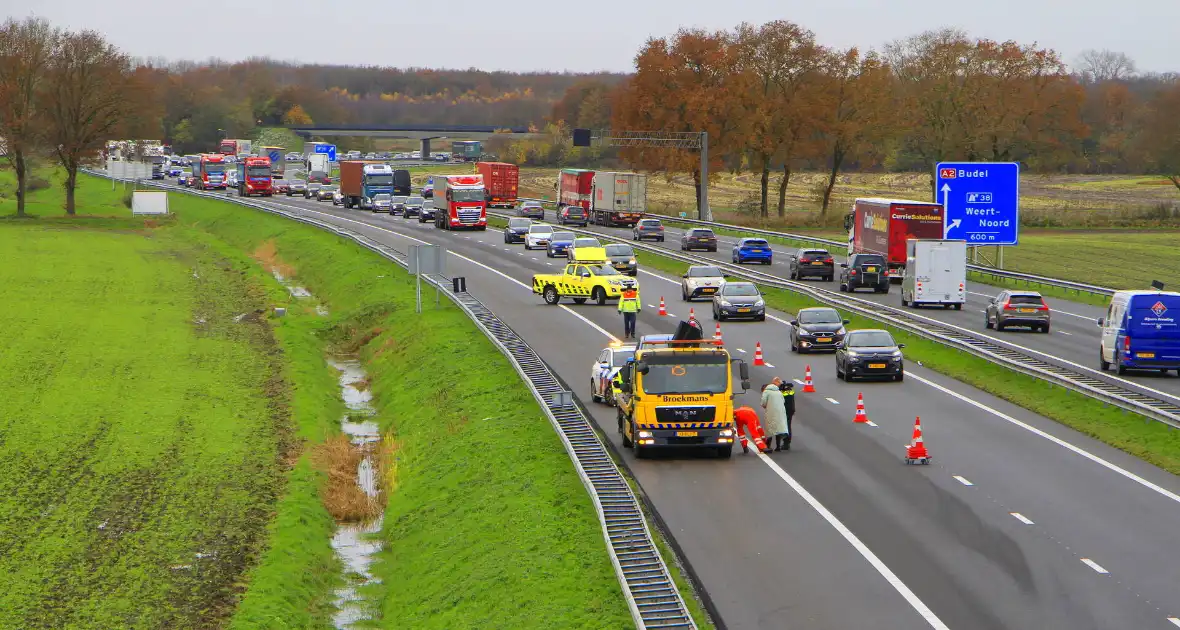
<point x="935" y="273"/>
<point x="618" y="198"/>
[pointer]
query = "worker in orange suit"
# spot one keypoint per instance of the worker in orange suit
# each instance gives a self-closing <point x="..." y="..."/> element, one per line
<point x="747" y="423"/>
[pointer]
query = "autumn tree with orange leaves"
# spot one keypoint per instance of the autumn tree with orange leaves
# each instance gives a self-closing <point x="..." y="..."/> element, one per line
<point x="689" y="83"/>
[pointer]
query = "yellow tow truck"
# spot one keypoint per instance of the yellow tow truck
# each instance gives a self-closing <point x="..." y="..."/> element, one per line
<point x="589" y="276"/>
<point x="678" y="393"/>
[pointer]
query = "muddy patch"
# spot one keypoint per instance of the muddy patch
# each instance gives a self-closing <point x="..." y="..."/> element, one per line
<point x="353" y="493"/>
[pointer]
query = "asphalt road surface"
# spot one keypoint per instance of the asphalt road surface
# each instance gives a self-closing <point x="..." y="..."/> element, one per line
<point x="1017" y="523"/>
<point x="1073" y="341"/>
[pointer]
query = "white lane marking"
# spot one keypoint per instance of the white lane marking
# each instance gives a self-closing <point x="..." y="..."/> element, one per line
<point x="1022" y="518"/>
<point x="656" y="275"/>
<point x="833" y="401"/>
<point x="1175" y="621"/>
<point x="1065" y="333"/>
<point x="474" y="262"/>
<point x="1054" y="439"/>
<point x="963" y="480"/>
<point x="856" y="543"/>
<point x="741" y="351"/>
<point x="871" y="423"/>
<point x="651" y="305"/>
<point x="799" y="381"/>
<point x="1094" y="565"/>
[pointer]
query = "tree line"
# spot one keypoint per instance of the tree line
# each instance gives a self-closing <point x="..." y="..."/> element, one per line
<point x="64" y="94"/>
<point x="773" y="99"/>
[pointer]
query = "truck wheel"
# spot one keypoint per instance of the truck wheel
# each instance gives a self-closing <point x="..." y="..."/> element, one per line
<point x="958" y="307"/>
<point x="622" y="432"/>
<point x="598" y="295"/>
<point x="724" y="452"/>
<point x="1101" y="361"/>
<point x="551" y="296"/>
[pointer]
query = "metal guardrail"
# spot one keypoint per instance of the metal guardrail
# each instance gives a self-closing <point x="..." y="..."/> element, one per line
<point x="651" y="594"/>
<point x="1006" y="354"/>
<point x="1027" y="278"/>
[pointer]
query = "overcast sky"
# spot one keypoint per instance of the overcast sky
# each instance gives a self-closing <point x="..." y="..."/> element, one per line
<point x="524" y="35"/>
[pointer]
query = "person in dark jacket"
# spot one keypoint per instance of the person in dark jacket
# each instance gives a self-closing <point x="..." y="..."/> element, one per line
<point x="788" y="390"/>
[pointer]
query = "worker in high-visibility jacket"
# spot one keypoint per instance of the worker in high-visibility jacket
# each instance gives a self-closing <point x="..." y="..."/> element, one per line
<point x="616" y="385"/>
<point x="629" y="306"/>
<point x="745" y="421"/>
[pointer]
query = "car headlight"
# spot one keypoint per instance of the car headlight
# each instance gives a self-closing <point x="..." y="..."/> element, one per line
<point x="631" y="262"/>
<point x="852" y="354"/>
<point x="724" y="303"/>
<point x="803" y="332"/>
<point x="897" y="354"/>
<point x="759" y="304"/>
<point x="841" y="332"/>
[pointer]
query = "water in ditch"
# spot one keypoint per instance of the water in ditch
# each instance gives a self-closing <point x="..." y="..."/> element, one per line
<point x="355" y="544"/>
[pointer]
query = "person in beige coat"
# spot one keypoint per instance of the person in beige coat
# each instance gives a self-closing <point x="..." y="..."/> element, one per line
<point x="774" y="421"/>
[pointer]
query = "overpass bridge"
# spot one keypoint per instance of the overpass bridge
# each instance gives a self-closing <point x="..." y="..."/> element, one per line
<point x="425" y="133"/>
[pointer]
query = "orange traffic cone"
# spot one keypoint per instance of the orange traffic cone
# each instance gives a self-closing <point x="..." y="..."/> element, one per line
<point x="916" y="452"/>
<point x="861" y="416"/>
<point x="663" y="311"/>
<point x="758" y="354"/>
<point x="808" y="387"/>
<point x="717" y="335"/>
<point x="691" y="314"/>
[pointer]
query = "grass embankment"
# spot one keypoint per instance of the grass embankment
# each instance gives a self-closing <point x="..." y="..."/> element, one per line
<point x="487" y="523"/>
<point x="1148" y="440"/>
<point x="142" y="426"/>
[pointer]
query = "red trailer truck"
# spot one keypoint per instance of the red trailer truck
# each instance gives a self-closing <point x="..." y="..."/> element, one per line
<point x="574" y="188"/>
<point x="254" y="177"/>
<point x="501" y="181"/>
<point x="882" y="226"/>
<point x="209" y="172"/>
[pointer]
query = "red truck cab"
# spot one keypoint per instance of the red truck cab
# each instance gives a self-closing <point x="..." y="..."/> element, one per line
<point x="460" y="202"/>
<point x="882" y="226"/>
<point x="209" y="172"/>
<point x="255" y="177"/>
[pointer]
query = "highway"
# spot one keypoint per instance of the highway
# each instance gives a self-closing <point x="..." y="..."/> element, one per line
<point x="1072" y="342"/>
<point x="1017" y="523"/>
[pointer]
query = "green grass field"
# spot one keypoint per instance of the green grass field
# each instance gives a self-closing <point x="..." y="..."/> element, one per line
<point x="489" y="525"/>
<point x="139" y="461"/>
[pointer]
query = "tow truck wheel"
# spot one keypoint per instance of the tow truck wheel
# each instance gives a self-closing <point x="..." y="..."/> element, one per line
<point x="622" y="432"/>
<point x="551" y="296"/>
<point x="598" y="295"/>
<point x="725" y="452"/>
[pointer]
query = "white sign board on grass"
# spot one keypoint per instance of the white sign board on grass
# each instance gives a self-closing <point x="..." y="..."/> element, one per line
<point x="149" y="202"/>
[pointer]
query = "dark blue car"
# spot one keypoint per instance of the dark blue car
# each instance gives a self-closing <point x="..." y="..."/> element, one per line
<point x="559" y="243"/>
<point x="752" y="249"/>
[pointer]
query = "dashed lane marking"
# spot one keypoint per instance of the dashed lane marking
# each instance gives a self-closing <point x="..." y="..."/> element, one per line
<point x="1094" y="565"/>
<point x="1175" y="621"/>
<point x="833" y="401"/>
<point x="1022" y="518"/>
<point x="963" y="480"/>
<point x="871" y="423"/>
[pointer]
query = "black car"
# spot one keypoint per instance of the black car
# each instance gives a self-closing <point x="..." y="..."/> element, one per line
<point x="427" y="211"/>
<point x="864" y="271"/>
<point x="397" y="204"/>
<point x="818" y="328"/>
<point x="622" y="258"/>
<point x="812" y="263"/>
<point x="413" y="206"/>
<point x="870" y="353"/>
<point x="516" y="230"/>
<point x="698" y="238"/>
<point x="573" y="215"/>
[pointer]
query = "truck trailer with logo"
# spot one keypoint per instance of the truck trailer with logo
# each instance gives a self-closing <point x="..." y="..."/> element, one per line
<point x="618" y="198"/>
<point x="882" y="226"/>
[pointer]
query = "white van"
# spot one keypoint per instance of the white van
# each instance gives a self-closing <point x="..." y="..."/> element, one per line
<point x="935" y="273"/>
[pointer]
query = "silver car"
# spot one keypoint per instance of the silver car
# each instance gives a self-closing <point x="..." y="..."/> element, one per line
<point x="382" y="202"/>
<point x="1018" y="308"/>
<point x="700" y="281"/>
<point x="739" y="300"/>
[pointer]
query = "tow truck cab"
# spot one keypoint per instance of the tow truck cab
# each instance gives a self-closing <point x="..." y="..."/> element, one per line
<point x="679" y="394"/>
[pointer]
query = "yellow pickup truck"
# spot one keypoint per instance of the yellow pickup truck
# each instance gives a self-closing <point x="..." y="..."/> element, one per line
<point x="589" y="276"/>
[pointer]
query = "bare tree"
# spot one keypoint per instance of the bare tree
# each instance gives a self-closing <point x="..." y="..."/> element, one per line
<point x="84" y="98"/>
<point x="26" y="48"/>
<point x="1099" y="66"/>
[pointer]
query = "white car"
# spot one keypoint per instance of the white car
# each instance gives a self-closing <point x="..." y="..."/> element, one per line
<point x="609" y="361"/>
<point x="538" y="236"/>
<point x="700" y="281"/>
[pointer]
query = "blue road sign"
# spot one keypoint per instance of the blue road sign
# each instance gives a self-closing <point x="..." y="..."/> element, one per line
<point x="330" y="149"/>
<point x="981" y="201"/>
<point x="275" y="156"/>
